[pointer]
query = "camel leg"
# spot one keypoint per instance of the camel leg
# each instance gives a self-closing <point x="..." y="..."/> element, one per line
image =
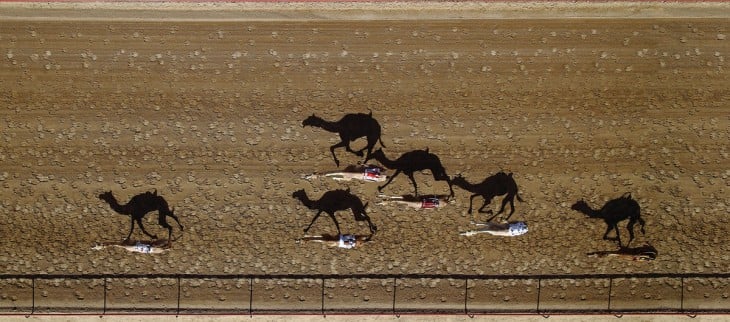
<point x="139" y="223"/>
<point x="444" y="177"/>
<point x="176" y="220"/>
<point x="332" y="215"/>
<point x="471" y="201"/>
<point x="630" y="227"/>
<point x="504" y="203"/>
<point x="613" y="226"/>
<point x="338" y="145"/>
<point x="512" y="208"/>
<point x="389" y="180"/>
<point x="360" y="216"/>
<point x="618" y="234"/>
<point x="511" y="200"/>
<point x="163" y="222"/>
<point x="313" y="220"/>
<point x="609" y="227"/>
<point x="413" y="180"/>
<point x="493" y="216"/>
<point x="487" y="201"/>
<point x="369" y="147"/>
<point x="131" y="228"/>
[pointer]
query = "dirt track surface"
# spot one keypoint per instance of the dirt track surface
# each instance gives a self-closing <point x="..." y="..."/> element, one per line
<point x="209" y="114"/>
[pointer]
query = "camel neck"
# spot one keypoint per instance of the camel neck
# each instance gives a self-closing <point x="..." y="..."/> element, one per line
<point x="306" y="201"/>
<point x="463" y="184"/>
<point x="592" y="213"/>
<point x="122" y="209"/>
<point x="386" y="162"/>
<point x="327" y="126"/>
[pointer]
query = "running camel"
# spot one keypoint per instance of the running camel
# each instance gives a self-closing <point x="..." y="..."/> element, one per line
<point x="612" y="213"/>
<point x="139" y="206"/>
<point x="333" y="201"/>
<point x="491" y="187"/>
<point x="411" y="162"/>
<point x="350" y="128"/>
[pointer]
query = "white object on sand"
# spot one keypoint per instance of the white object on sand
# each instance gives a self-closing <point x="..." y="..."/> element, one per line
<point x="510" y="229"/>
<point x="138" y="247"/>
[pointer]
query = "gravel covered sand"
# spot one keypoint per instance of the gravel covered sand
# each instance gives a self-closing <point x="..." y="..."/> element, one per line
<point x="205" y="102"/>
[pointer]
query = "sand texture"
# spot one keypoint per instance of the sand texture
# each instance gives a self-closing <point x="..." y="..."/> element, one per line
<point x="209" y="113"/>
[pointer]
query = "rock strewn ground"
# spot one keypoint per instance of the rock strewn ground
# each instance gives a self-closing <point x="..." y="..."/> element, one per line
<point x="209" y="114"/>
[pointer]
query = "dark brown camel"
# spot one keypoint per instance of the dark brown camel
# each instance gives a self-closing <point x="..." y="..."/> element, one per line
<point x="139" y="206"/>
<point x="333" y="201"/>
<point x="493" y="186"/>
<point x="350" y="128"/>
<point x="612" y="213"/>
<point x="411" y="162"/>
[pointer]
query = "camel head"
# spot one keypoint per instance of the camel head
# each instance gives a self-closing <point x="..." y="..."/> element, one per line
<point x="106" y="196"/>
<point x="299" y="194"/>
<point x="311" y="121"/>
<point x="582" y="206"/>
<point x="377" y="154"/>
<point x="458" y="180"/>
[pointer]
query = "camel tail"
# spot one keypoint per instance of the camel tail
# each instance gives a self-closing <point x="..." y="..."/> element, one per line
<point x="381" y="142"/>
<point x="518" y="197"/>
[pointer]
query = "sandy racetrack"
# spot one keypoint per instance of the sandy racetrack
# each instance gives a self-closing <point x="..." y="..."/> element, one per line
<point x="209" y="113"/>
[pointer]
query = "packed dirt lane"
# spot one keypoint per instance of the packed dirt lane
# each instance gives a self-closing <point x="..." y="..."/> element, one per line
<point x="210" y="115"/>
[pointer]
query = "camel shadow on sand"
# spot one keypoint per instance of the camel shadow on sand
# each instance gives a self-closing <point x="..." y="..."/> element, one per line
<point x="613" y="212"/>
<point x="139" y="206"/>
<point x="350" y="128"/>
<point x="333" y="201"/>
<point x="495" y="185"/>
<point x="647" y="252"/>
<point x="411" y="162"/>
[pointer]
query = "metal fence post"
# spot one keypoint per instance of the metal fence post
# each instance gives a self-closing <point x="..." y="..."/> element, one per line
<point x="250" y="297"/>
<point x="681" y="296"/>
<point x="466" y="295"/>
<point x="610" y="289"/>
<point x="32" y="305"/>
<point x="395" y="284"/>
<point x="539" y="288"/>
<point x="178" y="296"/>
<point x="323" y="297"/>
<point x="103" y="312"/>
